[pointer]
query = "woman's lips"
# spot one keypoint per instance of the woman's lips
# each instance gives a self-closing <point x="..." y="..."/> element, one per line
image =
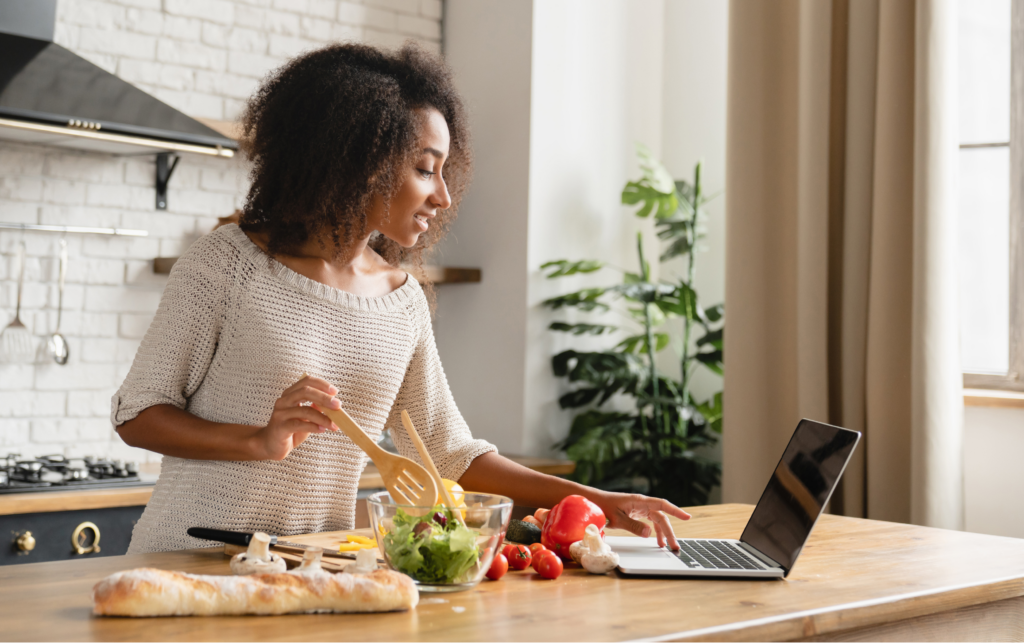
<point x="421" y="222"/>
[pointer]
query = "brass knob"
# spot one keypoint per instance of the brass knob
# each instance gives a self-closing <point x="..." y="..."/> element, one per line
<point x="77" y="540"/>
<point x="26" y="542"/>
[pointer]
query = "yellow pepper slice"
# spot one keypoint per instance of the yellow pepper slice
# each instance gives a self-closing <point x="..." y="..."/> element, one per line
<point x="356" y="538"/>
<point x="356" y="546"/>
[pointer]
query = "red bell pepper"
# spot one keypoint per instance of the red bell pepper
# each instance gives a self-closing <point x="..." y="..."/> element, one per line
<point x="567" y="523"/>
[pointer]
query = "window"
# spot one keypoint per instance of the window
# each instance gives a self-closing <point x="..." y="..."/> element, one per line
<point x="991" y="90"/>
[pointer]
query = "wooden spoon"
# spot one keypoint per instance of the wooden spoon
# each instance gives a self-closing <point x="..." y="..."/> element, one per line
<point x="406" y="481"/>
<point x="415" y="437"/>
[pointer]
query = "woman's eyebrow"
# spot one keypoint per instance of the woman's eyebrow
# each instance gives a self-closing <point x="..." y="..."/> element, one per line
<point x="437" y="153"/>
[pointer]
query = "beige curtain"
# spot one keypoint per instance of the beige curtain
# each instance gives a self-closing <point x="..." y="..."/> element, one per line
<point x="841" y="248"/>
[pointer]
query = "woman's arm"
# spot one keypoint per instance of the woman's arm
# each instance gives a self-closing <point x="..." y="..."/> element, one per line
<point x="492" y="473"/>
<point x="166" y="429"/>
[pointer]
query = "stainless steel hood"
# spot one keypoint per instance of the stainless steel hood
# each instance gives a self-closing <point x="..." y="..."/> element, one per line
<point x="51" y="96"/>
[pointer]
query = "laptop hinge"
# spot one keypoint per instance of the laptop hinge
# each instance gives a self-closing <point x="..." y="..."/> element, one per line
<point x="758" y="555"/>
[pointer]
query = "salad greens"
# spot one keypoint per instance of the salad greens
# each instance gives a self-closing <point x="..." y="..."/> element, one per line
<point x="441" y="552"/>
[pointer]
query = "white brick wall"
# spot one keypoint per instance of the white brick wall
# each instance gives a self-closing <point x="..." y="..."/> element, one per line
<point x="203" y="57"/>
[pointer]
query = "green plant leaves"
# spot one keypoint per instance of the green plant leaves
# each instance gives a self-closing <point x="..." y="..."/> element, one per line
<point x="581" y="329"/>
<point x="586" y="299"/>
<point x="680" y="302"/>
<point x="655" y="446"/>
<point x="634" y="342"/>
<point x="655" y="190"/>
<point x="606" y="373"/>
<point x="596" y="439"/>
<point x="713" y="338"/>
<point x="713" y="360"/>
<point x="564" y="268"/>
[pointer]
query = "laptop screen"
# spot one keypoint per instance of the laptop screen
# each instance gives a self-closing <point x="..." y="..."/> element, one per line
<point x="798" y="490"/>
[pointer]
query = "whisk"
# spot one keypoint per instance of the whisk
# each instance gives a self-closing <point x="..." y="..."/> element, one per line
<point x="16" y="340"/>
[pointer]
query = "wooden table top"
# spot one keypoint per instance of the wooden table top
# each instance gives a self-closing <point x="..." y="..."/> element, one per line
<point x="853" y="573"/>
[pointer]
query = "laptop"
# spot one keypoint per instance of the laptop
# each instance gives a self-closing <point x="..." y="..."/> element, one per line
<point x="778" y="529"/>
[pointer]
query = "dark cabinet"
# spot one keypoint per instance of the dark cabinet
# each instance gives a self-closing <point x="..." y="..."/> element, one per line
<point x="67" y="535"/>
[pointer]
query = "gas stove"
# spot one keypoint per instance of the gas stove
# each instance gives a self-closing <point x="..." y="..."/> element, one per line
<point x="60" y="473"/>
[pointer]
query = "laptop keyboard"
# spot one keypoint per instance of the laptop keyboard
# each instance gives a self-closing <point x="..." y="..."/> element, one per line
<point x="713" y="554"/>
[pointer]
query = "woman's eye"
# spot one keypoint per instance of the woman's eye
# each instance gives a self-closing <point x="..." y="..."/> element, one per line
<point x="426" y="173"/>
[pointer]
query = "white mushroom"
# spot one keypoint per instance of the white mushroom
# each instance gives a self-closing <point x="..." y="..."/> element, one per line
<point x="310" y="562"/>
<point x="576" y="551"/>
<point x="259" y="559"/>
<point x="366" y="562"/>
<point x="598" y="557"/>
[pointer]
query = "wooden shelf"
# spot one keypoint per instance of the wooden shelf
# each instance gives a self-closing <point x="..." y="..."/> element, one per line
<point x="436" y="274"/>
<point x="990" y="397"/>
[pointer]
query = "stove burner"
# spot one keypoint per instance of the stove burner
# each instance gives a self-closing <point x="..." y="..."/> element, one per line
<point x="55" y="472"/>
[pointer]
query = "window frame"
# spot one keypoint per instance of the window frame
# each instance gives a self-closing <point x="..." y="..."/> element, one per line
<point x="1014" y="379"/>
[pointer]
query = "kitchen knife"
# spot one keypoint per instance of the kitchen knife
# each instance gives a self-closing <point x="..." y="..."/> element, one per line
<point x="242" y="538"/>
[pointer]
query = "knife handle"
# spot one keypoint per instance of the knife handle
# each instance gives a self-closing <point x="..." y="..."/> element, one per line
<point x="223" y="536"/>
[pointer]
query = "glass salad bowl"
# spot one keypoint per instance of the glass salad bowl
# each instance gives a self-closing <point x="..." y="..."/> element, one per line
<point x="441" y="549"/>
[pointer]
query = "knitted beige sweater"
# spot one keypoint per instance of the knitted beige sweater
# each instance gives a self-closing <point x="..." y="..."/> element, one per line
<point x="233" y="330"/>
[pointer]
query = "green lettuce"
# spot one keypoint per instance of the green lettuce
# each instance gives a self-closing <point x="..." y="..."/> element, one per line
<point x="443" y="555"/>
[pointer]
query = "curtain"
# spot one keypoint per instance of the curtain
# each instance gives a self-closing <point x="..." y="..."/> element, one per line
<point x="841" y="267"/>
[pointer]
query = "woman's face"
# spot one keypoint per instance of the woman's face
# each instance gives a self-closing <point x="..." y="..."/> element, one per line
<point x="423" y="191"/>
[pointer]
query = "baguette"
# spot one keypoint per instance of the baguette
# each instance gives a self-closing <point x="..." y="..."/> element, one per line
<point x="155" y="592"/>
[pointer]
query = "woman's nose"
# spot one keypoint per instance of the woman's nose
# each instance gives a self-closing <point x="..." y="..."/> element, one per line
<point x="441" y="198"/>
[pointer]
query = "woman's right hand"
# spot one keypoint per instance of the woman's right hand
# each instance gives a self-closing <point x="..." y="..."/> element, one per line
<point x="296" y="415"/>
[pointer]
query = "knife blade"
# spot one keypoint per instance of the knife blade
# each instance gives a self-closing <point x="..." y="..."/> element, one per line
<point x="242" y="538"/>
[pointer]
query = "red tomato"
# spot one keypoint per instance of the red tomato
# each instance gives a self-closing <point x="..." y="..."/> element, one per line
<point x="498" y="567"/>
<point x="520" y="558"/>
<point x="536" y="547"/>
<point x="507" y="550"/>
<point x="548" y="565"/>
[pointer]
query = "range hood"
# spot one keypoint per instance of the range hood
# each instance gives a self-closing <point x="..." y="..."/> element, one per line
<point x="51" y="96"/>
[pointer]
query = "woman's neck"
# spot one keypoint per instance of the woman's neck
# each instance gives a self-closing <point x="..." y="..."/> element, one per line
<point x="357" y="269"/>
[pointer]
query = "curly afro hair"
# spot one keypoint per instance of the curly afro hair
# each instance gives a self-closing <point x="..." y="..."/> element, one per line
<point x="336" y="126"/>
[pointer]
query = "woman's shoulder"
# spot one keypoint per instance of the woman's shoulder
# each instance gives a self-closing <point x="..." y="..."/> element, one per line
<point x="216" y="252"/>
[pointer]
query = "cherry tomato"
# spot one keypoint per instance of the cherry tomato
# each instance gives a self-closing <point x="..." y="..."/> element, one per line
<point x="498" y="567"/>
<point x="536" y="547"/>
<point x="548" y="565"/>
<point x="507" y="550"/>
<point x="521" y="557"/>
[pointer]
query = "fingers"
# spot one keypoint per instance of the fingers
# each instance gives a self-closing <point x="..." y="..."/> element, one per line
<point x="670" y="509"/>
<point x="306" y="415"/>
<point x="314" y="382"/>
<point x="637" y="527"/>
<point x="662" y="526"/>
<point x="305" y="395"/>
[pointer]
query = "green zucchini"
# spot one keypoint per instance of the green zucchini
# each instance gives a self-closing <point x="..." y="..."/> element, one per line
<point x="522" y="532"/>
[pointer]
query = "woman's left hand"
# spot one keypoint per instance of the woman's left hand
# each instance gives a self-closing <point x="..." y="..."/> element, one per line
<point x="624" y="511"/>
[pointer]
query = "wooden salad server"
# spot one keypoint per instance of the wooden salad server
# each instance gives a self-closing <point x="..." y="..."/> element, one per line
<point x="406" y="481"/>
<point x="425" y="455"/>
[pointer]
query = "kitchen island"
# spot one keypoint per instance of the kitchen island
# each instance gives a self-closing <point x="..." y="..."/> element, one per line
<point x="856" y="580"/>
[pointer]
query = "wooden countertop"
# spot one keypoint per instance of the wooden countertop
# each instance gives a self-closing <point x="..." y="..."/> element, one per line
<point x="38" y="502"/>
<point x="856" y="580"/>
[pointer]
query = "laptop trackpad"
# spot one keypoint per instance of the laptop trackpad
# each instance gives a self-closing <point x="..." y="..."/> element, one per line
<point x="643" y="553"/>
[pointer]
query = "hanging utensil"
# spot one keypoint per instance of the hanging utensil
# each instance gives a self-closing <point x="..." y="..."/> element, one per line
<point x="57" y="346"/>
<point x="16" y="340"/>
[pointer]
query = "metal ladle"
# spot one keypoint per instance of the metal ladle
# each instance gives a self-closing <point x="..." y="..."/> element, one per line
<point x="56" y="345"/>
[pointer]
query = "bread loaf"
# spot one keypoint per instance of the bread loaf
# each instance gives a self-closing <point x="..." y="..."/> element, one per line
<point x="155" y="592"/>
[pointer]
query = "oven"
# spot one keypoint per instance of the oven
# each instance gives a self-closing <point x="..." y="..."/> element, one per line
<point x="43" y="536"/>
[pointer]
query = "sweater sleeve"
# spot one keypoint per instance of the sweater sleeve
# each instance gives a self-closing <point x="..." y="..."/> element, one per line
<point x="178" y="348"/>
<point x="425" y="395"/>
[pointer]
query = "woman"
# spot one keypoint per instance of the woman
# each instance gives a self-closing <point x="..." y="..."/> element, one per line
<point x="359" y="160"/>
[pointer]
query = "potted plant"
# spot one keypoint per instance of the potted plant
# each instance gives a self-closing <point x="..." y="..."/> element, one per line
<point x="649" y="444"/>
